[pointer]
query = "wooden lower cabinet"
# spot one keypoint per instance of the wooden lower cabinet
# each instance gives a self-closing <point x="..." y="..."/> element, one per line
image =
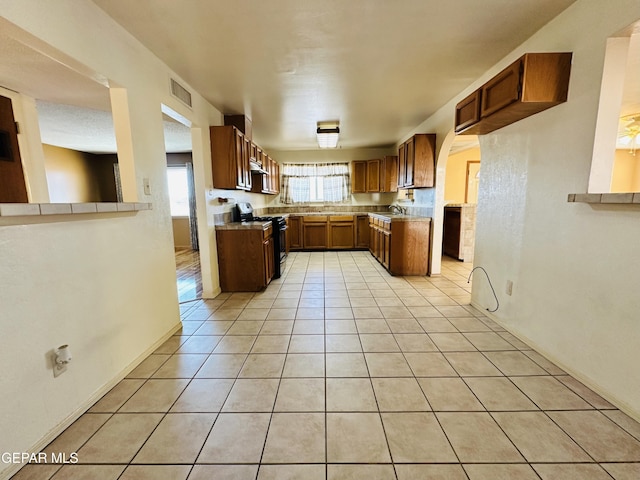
<point x="375" y="233"/>
<point x="402" y="247"/>
<point x="294" y="233"/>
<point x="380" y="245"/>
<point x="245" y="259"/>
<point x="386" y="249"/>
<point x="362" y="231"/>
<point x="341" y="232"/>
<point x="315" y="234"/>
<point x="328" y="232"/>
<point x="269" y="259"/>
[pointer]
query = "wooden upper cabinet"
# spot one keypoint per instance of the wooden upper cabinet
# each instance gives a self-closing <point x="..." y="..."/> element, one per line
<point x="373" y="175"/>
<point x="244" y="164"/>
<point x="389" y="174"/>
<point x="253" y="151"/>
<point x="501" y="90"/>
<point x="409" y="163"/>
<point x="268" y="183"/>
<point x="231" y="152"/>
<point x="468" y="111"/>
<point x="531" y="84"/>
<point x="229" y="160"/>
<point x="402" y="165"/>
<point x="416" y="161"/>
<point x="359" y="176"/>
<point x="366" y="176"/>
<point x="276" y="177"/>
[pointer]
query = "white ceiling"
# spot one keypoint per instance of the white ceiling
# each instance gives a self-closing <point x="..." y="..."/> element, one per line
<point x="380" y="67"/>
<point x="32" y="73"/>
<point x="74" y="111"/>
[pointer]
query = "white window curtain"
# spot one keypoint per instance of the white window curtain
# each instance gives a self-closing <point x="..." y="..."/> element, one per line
<point x="315" y="182"/>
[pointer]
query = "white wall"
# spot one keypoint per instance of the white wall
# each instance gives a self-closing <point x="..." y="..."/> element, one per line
<point x="103" y="284"/>
<point x="574" y="266"/>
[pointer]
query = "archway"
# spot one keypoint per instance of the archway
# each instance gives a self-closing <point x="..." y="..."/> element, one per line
<point x="452" y="188"/>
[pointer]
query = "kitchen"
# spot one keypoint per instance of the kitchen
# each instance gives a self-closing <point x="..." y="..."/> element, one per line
<point x="400" y="238"/>
<point x="369" y="223"/>
<point x="556" y="304"/>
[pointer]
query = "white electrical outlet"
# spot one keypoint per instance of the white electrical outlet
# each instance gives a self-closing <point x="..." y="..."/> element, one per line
<point x="509" y="288"/>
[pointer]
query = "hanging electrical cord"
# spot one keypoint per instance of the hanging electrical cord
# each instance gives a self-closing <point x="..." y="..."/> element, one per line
<point x="489" y="280"/>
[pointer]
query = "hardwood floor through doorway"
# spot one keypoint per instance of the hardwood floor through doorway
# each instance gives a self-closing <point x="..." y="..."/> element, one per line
<point x="189" y="276"/>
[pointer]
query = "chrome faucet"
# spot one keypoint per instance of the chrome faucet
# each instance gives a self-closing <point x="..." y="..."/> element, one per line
<point x="396" y="209"/>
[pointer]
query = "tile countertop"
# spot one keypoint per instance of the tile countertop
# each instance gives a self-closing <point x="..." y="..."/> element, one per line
<point x="387" y="216"/>
<point x="398" y="217"/>
<point x="243" y="226"/>
<point x="311" y="214"/>
<point x="394" y="217"/>
<point x="44" y="209"/>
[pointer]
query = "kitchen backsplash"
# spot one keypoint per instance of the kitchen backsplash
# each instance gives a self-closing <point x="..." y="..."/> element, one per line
<point x="410" y="210"/>
<point x="418" y="211"/>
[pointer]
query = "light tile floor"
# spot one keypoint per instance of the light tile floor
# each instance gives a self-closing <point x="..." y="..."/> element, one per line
<point x="340" y="371"/>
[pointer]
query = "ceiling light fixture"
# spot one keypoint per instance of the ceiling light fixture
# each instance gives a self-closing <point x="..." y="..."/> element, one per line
<point x="328" y="134"/>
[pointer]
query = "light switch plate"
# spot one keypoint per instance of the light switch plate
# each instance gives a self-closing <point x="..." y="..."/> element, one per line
<point x="57" y="369"/>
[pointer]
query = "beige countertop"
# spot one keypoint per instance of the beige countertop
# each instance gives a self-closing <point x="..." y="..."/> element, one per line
<point x="310" y="214"/>
<point x="394" y="217"/>
<point x="384" y="215"/>
<point x="244" y="226"/>
<point x="398" y="217"/>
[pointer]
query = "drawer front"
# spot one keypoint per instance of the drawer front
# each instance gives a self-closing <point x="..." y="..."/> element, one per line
<point x="267" y="232"/>
<point x="341" y="218"/>
<point x="315" y="219"/>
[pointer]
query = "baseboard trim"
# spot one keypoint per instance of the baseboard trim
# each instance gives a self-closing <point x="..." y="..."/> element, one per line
<point x="616" y="402"/>
<point x="64" y="424"/>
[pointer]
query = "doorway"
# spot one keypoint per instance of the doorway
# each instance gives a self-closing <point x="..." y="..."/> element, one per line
<point x="473" y="181"/>
<point x="182" y="199"/>
<point x="13" y="188"/>
<point x="462" y="180"/>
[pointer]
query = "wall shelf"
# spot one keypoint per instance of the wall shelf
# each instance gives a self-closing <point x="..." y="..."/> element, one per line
<point x="605" y="198"/>
<point x="11" y="210"/>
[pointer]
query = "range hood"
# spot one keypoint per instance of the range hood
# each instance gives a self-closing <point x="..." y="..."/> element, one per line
<point x="256" y="168"/>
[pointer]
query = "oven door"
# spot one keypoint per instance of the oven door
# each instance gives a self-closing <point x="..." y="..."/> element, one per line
<point x="283" y="242"/>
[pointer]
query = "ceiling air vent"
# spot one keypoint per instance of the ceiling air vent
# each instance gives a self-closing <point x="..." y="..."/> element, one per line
<point x="180" y="92"/>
